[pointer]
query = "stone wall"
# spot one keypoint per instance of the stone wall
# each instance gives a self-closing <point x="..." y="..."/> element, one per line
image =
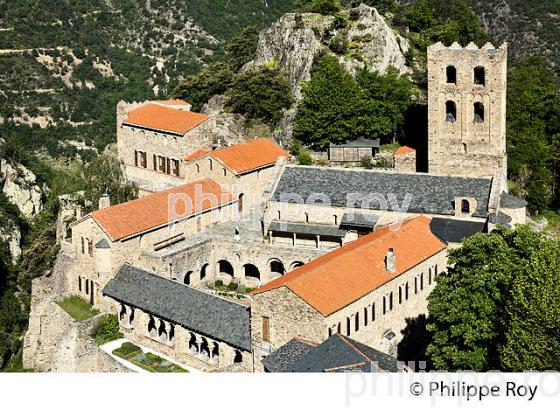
<point x="405" y="163"/>
<point x="289" y="316"/>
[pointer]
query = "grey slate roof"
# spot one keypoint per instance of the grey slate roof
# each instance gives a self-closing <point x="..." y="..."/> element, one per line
<point x="431" y="194"/>
<point x="283" y="359"/>
<point x="454" y="230"/>
<point x="358" y="143"/>
<point x="336" y="354"/>
<point x="512" y="202"/>
<point x="359" y="219"/>
<point x="198" y="311"/>
<point x="306" y="229"/>
<point x="102" y="244"/>
<point x="500" y="219"/>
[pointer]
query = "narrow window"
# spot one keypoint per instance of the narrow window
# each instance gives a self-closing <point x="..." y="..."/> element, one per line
<point x="429" y="276"/>
<point x="79" y="283"/>
<point x="335" y="220"/>
<point x="416" y="285"/>
<point x="406" y="291"/>
<point x="154" y="161"/>
<point x="225" y="172"/>
<point x="135" y="158"/>
<point x="450" y="111"/>
<point x="465" y="206"/>
<point x="330" y="332"/>
<point x="306" y="218"/>
<point x="400" y="295"/>
<point x="339" y="328"/>
<point x="240" y="203"/>
<point x="90" y="247"/>
<point x="384" y="305"/>
<point x="278" y="215"/>
<point x="422" y="281"/>
<point x="167" y="166"/>
<point x="83" y="245"/>
<point x="373" y="312"/>
<point x="451" y="75"/>
<point x="348" y="330"/>
<point x="479" y="76"/>
<point x="391" y="301"/>
<point x="478" y="112"/>
<point x="357" y="322"/>
<point x="210" y="164"/>
<point x="365" y="316"/>
<point x="144" y="160"/>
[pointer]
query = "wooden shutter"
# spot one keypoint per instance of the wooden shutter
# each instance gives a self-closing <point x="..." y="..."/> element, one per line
<point x="265" y="329"/>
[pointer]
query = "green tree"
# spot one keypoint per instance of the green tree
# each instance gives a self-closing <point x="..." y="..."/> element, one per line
<point x="260" y="94"/>
<point x="468" y="306"/>
<point x="533" y="335"/>
<point x="324" y="6"/>
<point x="105" y="176"/>
<point x="329" y="106"/>
<point x="385" y="99"/>
<point x="533" y="126"/>
<point x="242" y="48"/>
<point x="197" y="89"/>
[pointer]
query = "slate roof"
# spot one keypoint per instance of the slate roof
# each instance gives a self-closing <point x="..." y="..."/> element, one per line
<point x="455" y="230"/>
<point x="431" y="194"/>
<point x="358" y="143"/>
<point x="336" y="354"/>
<point x="201" y="312"/>
<point x="284" y="358"/>
<point x="512" y="202"/>
<point x="306" y="229"/>
<point x="359" y="219"/>
<point x="102" y="244"/>
<point x="339" y="278"/>
<point x="500" y="219"/>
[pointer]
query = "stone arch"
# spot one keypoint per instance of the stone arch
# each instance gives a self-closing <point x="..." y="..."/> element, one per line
<point x="122" y="312"/>
<point x="251" y="271"/>
<point x="450" y="111"/>
<point x="188" y="278"/>
<point x="296" y="264"/>
<point x="152" y="331"/>
<point x="276" y="266"/>
<point x="215" y="352"/>
<point x="192" y="344"/>
<point x="204" y="348"/>
<point x="238" y="357"/>
<point x="479" y="74"/>
<point x="478" y="112"/>
<point x="224" y="267"/>
<point x="162" y="330"/>
<point x="451" y="74"/>
<point x="203" y="271"/>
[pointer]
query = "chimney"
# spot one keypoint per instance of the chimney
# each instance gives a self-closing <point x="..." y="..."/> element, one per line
<point x="390" y="261"/>
<point x="104" y="201"/>
<point x="78" y="212"/>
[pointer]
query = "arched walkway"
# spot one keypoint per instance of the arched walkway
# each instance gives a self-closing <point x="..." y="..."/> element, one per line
<point x="188" y="278"/>
<point x="251" y="271"/>
<point x="203" y="271"/>
<point x="276" y="267"/>
<point x="224" y="267"/>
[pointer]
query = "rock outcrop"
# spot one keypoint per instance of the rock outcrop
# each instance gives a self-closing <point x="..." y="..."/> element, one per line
<point x="54" y="341"/>
<point x="11" y="234"/>
<point x="20" y="187"/>
<point x="295" y="40"/>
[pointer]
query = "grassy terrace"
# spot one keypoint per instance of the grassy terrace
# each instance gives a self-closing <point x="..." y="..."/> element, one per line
<point x="147" y="361"/>
<point x="77" y="307"/>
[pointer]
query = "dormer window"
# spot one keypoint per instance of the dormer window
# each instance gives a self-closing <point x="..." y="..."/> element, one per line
<point x="450" y="111"/>
<point x="451" y="73"/>
<point x="480" y="76"/>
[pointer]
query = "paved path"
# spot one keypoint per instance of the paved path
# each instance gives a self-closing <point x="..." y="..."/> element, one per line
<point x="109" y="347"/>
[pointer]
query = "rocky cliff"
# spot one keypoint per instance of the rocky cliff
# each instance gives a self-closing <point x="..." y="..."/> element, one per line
<point x="295" y="40"/>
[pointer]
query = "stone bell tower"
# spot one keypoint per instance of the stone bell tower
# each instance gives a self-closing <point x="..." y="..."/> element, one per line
<point x="467" y="110"/>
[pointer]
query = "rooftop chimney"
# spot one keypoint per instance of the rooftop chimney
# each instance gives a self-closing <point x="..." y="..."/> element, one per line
<point x="104" y="201"/>
<point x="390" y="261"/>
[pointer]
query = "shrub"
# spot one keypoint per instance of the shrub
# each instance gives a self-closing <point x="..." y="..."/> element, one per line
<point x="106" y="330"/>
<point x="304" y="159"/>
<point x="324" y="6"/>
<point x="233" y="286"/>
<point x="127" y="349"/>
<point x="219" y="283"/>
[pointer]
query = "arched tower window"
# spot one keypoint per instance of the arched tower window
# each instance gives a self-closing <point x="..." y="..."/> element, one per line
<point x="450" y="111"/>
<point x="478" y="112"/>
<point x="479" y="75"/>
<point x="451" y="73"/>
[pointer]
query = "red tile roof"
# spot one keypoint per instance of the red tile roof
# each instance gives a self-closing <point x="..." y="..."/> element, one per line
<point x="158" y="117"/>
<point x="172" y="102"/>
<point x="350" y="272"/>
<point x="404" y="150"/>
<point x="247" y="156"/>
<point x="130" y="218"/>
